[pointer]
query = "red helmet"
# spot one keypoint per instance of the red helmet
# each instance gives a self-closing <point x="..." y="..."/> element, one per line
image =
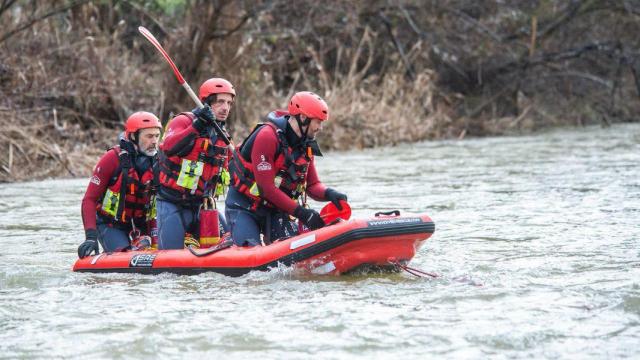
<point x="309" y="104"/>
<point x="216" y="86"/>
<point x="141" y="120"/>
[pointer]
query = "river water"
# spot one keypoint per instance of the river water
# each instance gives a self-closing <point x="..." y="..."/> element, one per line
<point x="537" y="245"/>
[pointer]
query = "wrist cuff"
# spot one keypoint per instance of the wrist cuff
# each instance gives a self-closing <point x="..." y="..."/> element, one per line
<point x="91" y="234"/>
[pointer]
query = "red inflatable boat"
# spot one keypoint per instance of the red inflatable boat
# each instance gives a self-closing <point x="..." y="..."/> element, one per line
<point x="377" y="242"/>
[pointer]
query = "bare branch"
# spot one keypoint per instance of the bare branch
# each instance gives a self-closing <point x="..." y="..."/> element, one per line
<point x="387" y="23"/>
<point x="146" y="14"/>
<point x="636" y="75"/>
<point x="32" y="21"/>
<point x="6" y="4"/>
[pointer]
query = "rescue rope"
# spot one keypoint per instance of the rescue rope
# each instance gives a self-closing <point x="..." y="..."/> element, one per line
<point x="223" y="245"/>
<point x="413" y="271"/>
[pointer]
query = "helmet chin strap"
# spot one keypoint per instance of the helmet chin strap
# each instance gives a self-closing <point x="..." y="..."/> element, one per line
<point x="133" y="138"/>
<point x="301" y="123"/>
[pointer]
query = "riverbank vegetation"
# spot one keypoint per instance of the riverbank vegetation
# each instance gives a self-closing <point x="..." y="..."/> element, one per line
<point x="71" y="71"/>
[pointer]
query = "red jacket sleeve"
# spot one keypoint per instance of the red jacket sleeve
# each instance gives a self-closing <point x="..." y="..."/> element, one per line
<point x="315" y="188"/>
<point x="98" y="183"/>
<point x="263" y="164"/>
<point x="179" y="128"/>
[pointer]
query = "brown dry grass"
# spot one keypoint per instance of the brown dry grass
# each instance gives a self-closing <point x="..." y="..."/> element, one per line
<point x="35" y="151"/>
<point x="68" y="82"/>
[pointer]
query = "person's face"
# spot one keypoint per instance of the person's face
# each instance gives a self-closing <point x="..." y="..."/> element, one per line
<point x="315" y="126"/>
<point x="148" y="141"/>
<point x="221" y="106"/>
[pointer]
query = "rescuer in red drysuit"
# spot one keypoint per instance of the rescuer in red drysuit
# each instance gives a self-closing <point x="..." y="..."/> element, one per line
<point x="193" y="164"/>
<point x="273" y="170"/>
<point x="117" y="208"/>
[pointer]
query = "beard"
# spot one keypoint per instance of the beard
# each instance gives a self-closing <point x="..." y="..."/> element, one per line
<point x="149" y="152"/>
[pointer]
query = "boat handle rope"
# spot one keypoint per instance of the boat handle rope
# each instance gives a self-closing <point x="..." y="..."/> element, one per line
<point x="388" y="213"/>
<point x="336" y="221"/>
<point x="413" y="271"/>
<point x="221" y="246"/>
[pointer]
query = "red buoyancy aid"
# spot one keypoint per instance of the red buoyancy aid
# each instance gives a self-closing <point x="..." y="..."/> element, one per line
<point x="291" y="166"/>
<point x="190" y="172"/>
<point x="136" y="190"/>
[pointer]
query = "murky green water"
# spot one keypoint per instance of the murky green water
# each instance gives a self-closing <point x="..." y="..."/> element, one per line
<point x="537" y="245"/>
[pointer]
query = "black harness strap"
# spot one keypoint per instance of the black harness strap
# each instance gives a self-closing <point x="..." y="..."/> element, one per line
<point x="125" y="164"/>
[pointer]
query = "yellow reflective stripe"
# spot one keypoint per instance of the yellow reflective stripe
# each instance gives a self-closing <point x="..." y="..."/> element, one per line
<point x="190" y="173"/>
<point x="152" y="210"/>
<point x="225" y="178"/>
<point x="110" y="202"/>
<point x="254" y="190"/>
<point x="220" y="189"/>
<point x="223" y="184"/>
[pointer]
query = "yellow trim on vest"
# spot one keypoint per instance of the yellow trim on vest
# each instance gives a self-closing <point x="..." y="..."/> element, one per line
<point x="301" y="187"/>
<point x="152" y="213"/>
<point x="254" y="188"/>
<point x="223" y="184"/>
<point x="190" y="173"/>
<point x="110" y="202"/>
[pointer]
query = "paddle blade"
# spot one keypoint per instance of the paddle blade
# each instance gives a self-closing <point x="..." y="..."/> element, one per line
<point x="152" y="39"/>
<point x="330" y="212"/>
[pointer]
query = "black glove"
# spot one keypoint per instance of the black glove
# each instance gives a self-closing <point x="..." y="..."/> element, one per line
<point x="90" y="245"/>
<point x="335" y="197"/>
<point x="309" y="217"/>
<point x="204" y="118"/>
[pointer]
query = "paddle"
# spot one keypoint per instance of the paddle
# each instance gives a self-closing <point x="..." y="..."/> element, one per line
<point x="331" y="213"/>
<point x="152" y="39"/>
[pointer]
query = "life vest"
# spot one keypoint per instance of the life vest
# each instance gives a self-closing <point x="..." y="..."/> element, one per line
<point x="187" y="174"/>
<point x="136" y="190"/>
<point x="291" y="164"/>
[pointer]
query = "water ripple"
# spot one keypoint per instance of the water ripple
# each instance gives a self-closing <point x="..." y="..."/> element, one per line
<point x="536" y="250"/>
